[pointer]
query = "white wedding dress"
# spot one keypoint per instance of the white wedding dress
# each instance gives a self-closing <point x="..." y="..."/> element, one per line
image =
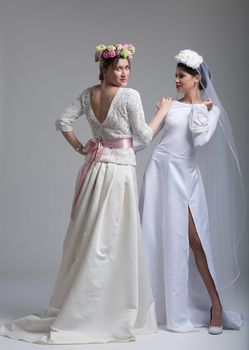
<point x="172" y="186"/>
<point x="102" y="292"/>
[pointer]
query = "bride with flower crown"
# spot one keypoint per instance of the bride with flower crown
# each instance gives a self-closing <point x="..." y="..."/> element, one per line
<point x="192" y="207"/>
<point x="102" y="292"/>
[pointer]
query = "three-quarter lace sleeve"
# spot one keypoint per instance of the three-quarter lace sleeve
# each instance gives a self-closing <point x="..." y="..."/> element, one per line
<point x="136" y="117"/>
<point x="202" y="123"/>
<point x="69" y="115"/>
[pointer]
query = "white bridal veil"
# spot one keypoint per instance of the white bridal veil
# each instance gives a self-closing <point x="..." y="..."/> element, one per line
<point x="219" y="165"/>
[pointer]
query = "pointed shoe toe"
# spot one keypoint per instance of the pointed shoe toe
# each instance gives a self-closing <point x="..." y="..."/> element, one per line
<point x="214" y="330"/>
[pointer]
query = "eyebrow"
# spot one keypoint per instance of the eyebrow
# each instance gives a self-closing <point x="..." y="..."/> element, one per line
<point x="123" y="66"/>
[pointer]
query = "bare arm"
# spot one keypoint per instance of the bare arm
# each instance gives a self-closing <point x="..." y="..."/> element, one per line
<point x="73" y="140"/>
<point x="163" y="107"/>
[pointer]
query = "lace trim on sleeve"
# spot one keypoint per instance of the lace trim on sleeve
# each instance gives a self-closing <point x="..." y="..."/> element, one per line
<point x="70" y="114"/>
<point x="136" y="117"/>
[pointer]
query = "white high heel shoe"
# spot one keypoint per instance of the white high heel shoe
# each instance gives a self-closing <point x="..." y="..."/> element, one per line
<point x="214" y="330"/>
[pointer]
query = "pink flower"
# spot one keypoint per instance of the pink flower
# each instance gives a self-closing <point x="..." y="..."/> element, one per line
<point x="108" y="54"/>
<point x="110" y="51"/>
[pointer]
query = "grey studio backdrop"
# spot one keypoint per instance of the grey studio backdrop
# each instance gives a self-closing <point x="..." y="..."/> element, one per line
<point x="47" y="49"/>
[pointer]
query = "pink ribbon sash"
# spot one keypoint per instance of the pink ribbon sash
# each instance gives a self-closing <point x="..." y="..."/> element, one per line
<point x="94" y="150"/>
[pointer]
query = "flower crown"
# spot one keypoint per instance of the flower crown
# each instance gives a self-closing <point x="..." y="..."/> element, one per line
<point x="119" y="50"/>
<point x="190" y="58"/>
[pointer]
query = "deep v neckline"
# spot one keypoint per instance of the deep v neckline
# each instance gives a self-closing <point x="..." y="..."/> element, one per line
<point x="109" y="109"/>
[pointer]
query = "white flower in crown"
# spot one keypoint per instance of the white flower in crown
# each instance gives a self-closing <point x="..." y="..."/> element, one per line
<point x="190" y="58"/>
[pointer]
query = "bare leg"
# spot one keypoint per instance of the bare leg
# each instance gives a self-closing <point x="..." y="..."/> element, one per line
<point x="202" y="266"/>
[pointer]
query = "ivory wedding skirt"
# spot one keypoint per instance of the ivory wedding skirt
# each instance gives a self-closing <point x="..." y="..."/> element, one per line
<point x="102" y="292"/>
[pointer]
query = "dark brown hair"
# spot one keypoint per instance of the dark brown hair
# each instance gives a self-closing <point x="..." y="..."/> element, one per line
<point x="109" y="62"/>
<point x="193" y="72"/>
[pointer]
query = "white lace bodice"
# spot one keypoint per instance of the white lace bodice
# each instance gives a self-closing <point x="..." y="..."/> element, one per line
<point x="124" y="119"/>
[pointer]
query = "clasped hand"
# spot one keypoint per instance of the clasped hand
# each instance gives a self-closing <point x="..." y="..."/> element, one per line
<point x="208" y="103"/>
<point x="164" y="103"/>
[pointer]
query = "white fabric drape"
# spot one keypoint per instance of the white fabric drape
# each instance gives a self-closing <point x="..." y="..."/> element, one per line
<point x="172" y="186"/>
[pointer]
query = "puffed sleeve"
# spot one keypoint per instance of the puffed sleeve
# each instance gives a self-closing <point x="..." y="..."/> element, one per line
<point x="135" y="111"/>
<point x="202" y="123"/>
<point x="70" y="114"/>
